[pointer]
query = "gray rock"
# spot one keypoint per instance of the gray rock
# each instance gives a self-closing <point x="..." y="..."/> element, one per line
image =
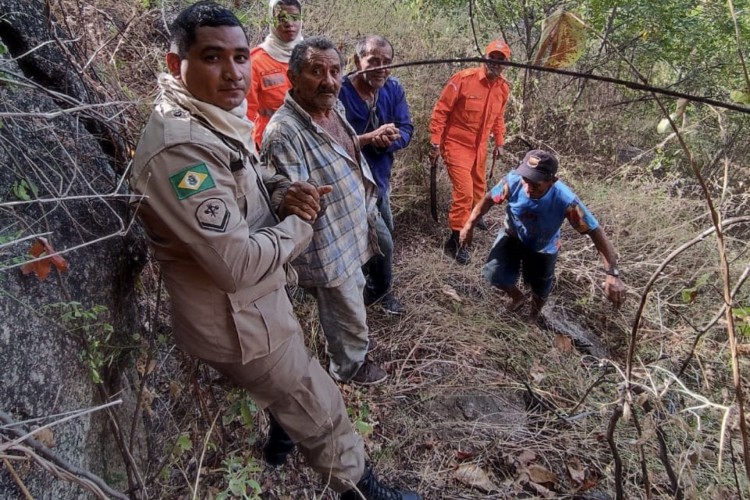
<point x="43" y="366"/>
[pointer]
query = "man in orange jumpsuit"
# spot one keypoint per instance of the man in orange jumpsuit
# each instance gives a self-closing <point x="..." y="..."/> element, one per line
<point x="270" y="61"/>
<point x="471" y="106"/>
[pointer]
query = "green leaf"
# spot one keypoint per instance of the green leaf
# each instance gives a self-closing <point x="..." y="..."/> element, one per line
<point x="246" y="411"/>
<point x="363" y="428"/>
<point x="740" y="97"/>
<point x="184" y="443"/>
<point x="21" y="190"/>
<point x="689" y="295"/>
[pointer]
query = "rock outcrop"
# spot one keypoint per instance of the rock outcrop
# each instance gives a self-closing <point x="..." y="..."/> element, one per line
<point x="57" y="178"/>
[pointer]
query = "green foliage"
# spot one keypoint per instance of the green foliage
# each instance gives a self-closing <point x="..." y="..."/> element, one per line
<point x="240" y="474"/>
<point x="689" y="294"/>
<point x="742" y="315"/>
<point x="25" y="190"/>
<point x="88" y="327"/>
<point x="241" y="408"/>
<point x="361" y="419"/>
<point x="184" y="443"/>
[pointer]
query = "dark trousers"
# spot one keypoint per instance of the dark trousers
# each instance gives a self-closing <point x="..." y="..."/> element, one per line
<point x="379" y="269"/>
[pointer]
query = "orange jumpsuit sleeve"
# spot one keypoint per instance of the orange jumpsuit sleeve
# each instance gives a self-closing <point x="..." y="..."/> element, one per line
<point x="498" y="126"/>
<point x="443" y="108"/>
<point x="253" y="93"/>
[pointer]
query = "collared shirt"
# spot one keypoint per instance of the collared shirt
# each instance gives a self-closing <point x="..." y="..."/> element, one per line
<point x="537" y="222"/>
<point x="298" y="148"/>
<point x="211" y="226"/>
<point x="390" y="107"/>
<point x="468" y="108"/>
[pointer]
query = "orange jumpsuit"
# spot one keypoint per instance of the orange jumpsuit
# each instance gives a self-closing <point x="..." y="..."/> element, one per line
<point x="469" y="107"/>
<point x="268" y="85"/>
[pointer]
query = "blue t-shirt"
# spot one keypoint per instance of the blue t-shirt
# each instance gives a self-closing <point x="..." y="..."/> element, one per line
<point x="537" y="222"/>
<point x="391" y="107"/>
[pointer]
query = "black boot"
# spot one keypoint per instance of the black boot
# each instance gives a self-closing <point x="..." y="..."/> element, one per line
<point x="456" y="250"/>
<point x="279" y="444"/>
<point x="371" y="489"/>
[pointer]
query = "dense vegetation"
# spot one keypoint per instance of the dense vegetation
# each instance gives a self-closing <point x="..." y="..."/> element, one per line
<point x="480" y="404"/>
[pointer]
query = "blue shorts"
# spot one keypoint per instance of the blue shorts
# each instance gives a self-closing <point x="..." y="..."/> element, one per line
<point x="509" y="257"/>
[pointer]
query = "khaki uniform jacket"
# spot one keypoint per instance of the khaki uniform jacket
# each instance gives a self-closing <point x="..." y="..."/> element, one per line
<point x="212" y="228"/>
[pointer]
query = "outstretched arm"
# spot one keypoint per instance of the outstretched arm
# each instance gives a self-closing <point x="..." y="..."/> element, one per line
<point x="480" y="209"/>
<point x="614" y="288"/>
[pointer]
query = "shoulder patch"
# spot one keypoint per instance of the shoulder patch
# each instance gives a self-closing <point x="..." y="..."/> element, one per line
<point x="213" y="215"/>
<point x="191" y="180"/>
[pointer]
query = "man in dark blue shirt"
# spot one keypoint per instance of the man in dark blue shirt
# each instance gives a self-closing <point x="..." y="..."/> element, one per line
<point x="377" y="110"/>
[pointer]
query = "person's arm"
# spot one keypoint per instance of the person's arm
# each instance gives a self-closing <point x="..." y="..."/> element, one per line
<point x="252" y="95"/>
<point x="281" y="160"/>
<point x="382" y="137"/>
<point x="614" y="288"/>
<point x="494" y="196"/>
<point x="498" y="126"/>
<point x="467" y="232"/>
<point x="209" y="223"/>
<point x="401" y="120"/>
<point x="440" y="114"/>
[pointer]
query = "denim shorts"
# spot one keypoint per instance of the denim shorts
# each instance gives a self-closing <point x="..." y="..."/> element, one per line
<point x="509" y="258"/>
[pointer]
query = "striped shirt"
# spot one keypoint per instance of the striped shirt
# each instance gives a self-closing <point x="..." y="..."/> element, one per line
<point x="296" y="147"/>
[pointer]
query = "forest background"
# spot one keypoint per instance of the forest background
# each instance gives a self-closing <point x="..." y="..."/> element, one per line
<point x="644" y="402"/>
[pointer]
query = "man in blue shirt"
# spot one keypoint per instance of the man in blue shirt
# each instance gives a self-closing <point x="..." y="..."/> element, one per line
<point x="376" y="108"/>
<point x="537" y="205"/>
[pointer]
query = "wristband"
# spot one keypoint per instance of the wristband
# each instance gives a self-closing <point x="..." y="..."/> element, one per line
<point x="612" y="272"/>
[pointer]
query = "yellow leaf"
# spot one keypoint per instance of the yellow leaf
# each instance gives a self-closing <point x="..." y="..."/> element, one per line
<point x="540" y="475"/>
<point x="563" y="40"/>
<point x="474" y="476"/>
<point x="46" y="437"/>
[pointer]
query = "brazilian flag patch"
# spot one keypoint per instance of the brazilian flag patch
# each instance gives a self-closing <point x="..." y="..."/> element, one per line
<point x="191" y="180"/>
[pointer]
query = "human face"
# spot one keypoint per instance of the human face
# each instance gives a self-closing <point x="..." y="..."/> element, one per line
<point x="287" y="22"/>
<point x="536" y="190"/>
<point x="216" y="69"/>
<point x="494" y="70"/>
<point x="375" y="57"/>
<point x="317" y="86"/>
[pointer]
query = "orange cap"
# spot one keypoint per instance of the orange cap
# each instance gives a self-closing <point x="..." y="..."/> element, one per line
<point x="498" y="46"/>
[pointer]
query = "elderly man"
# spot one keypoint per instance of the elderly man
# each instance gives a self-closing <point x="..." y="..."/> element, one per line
<point x="376" y="108"/>
<point x="308" y="139"/>
<point x="471" y="106"/>
<point x="537" y="205"/>
<point x="217" y="234"/>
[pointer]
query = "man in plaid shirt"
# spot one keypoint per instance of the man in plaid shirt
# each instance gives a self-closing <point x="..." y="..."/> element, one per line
<point x="309" y="139"/>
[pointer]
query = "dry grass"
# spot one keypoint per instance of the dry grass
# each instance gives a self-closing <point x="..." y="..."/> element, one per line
<point x="459" y="364"/>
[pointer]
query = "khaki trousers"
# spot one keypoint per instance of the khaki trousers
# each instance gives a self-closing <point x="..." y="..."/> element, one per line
<point x="292" y="385"/>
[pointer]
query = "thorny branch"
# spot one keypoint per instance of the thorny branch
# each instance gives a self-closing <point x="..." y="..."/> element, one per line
<point x="625" y="83"/>
<point x="26" y="444"/>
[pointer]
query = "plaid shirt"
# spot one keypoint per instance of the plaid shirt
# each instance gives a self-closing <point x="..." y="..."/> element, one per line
<point x="344" y="238"/>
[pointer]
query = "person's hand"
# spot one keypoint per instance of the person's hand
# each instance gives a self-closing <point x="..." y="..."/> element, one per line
<point x="614" y="289"/>
<point x="466" y="235"/>
<point x="383" y="136"/>
<point x="434" y="152"/>
<point x="304" y="200"/>
<point x="496" y="152"/>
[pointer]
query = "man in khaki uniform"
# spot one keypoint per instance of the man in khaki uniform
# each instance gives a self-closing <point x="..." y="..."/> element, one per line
<point x="212" y="224"/>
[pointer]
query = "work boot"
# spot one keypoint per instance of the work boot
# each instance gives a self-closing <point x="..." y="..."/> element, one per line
<point x="369" y="374"/>
<point x="455" y="250"/>
<point x="391" y="305"/>
<point x="371" y="489"/>
<point x="278" y="446"/>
